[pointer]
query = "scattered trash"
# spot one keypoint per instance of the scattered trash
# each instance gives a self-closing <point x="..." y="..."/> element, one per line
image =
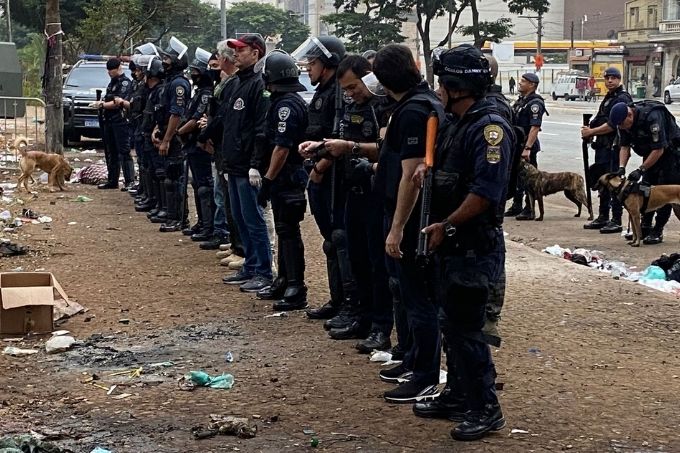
<point x="228" y="426"/>
<point x="124" y="321"/>
<point x="518" y="431"/>
<point x="91" y="174"/>
<point x="100" y="450"/>
<point x="44" y="219"/>
<point x="5" y="215"/>
<point x="161" y="365"/>
<point x="202" y="379"/>
<point x="82" y="199"/>
<point x="59" y="344"/>
<point x="380" y="356"/>
<point x="121" y="396"/>
<point x="11" y="249"/>
<point x="28" y="443"/>
<point x="16" y="352"/>
<point x="279" y="314"/>
<point x="308" y="432"/>
<point x="44" y="178"/>
<point x="89" y="151"/>
<point x="314" y="442"/>
<point x="534" y="350"/>
<point x="73" y="223"/>
<point x="229" y="357"/>
<point x="29" y="213"/>
<point x="58" y="333"/>
<point x="654" y="273"/>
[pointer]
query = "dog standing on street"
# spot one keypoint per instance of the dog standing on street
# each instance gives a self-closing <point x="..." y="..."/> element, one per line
<point x="539" y="184"/>
<point x="634" y="201"/>
<point x="55" y="165"/>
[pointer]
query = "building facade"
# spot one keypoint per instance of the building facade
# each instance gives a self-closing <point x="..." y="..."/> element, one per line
<point x="643" y="60"/>
<point x="667" y="40"/>
<point x="593" y="19"/>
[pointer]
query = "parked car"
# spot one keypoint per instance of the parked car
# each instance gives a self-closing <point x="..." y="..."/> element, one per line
<point x="567" y="87"/>
<point x="309" y="94"/>
<point x="80" y="90"/>
<point x="672" y="92"/>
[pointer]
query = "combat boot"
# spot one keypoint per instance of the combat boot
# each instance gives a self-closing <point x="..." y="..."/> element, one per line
<point x="195" y="228"/>
<point x="205" y="210"/>
<point x="295" y="298"/>
<point x="513" y="210"/>
<point x="326" y="311"/>
<point x="654" y="237"/>
<point x="525" y="214"/>
<point x="376" y="340"/>
<point x="214" y="242"/>
<point x="613" y="226"/>
<point x="478" y="423"/>
<point x="343" y="319"/>
<point x="646" y="230"/>
<point x="357" y="328"/>
<point x="161" y="214"/>
<point x="596" y="224"/>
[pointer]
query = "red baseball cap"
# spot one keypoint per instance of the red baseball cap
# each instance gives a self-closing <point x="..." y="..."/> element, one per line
<point x="249" y="40"/>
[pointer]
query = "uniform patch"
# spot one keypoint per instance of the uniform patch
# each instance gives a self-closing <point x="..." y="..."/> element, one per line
<point x="367" y="129"/>
<point x="179" y="91"/>
<point x="282" y="127"/>
<point x="493" y="134"/>
<point x="124" y="83"/>
<point x="356" y="119"/>
<point x="239" y="104"/>
<point x="318" y="104"/>
<point x="412" y="141"/>
<point x="284" y="113"/>
<point x="654" y="129"/>
<point x="535" y="108"/>
<point x="493" y="154"/>
<point x="204" y="99"/>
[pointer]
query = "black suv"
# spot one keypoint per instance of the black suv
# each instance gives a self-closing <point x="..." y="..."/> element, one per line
<point x="80" y="90"/>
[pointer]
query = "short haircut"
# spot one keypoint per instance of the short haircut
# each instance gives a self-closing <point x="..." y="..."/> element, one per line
<point x="355" y="63"/>
<point x="223" y="50"/>
<point x="396" y="69"/>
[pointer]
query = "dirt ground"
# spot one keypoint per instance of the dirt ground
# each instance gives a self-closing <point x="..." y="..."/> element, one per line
<point x="589" y="363"/>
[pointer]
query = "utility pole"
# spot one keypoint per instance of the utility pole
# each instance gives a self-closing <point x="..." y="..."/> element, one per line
<point x="572" y="35"/>
<point x="223" y="18"/>
<point x="54" y="115"/>
<point x="9" y="21"/>
<point x="539" y="36"/>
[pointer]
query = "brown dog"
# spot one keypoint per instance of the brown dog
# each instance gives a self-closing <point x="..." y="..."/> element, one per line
<point x="55" y="165"/>
<point x="539" y="184"/>
<point x="658" y="196"/>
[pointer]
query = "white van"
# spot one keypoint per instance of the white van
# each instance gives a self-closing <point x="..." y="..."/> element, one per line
<point x="567" y="87"/>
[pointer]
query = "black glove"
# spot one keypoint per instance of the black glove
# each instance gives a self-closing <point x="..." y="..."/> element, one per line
<point x="362" y="171"/>
<point x="621" y="172"/>
<point x="635" y="175"/>
<point x="265" y="193"/>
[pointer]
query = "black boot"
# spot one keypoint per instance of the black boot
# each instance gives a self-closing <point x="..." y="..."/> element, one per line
<point x="292" y="260"/>
<point x="478" y="424"/>
<point x="295" y="298"/>
<point x="513" y="210"/>
<point x="447" y="406"/>
<point x="343" y="319"/>
<point x="357" y="328"/>
<point x="275" y="291"/>
<point x="326" y="311"/>
<point x="172" y="194"/>
<point x="205" y="208"/>
<point x="613" y="226"/>
<point x="596" y="224"/>
<point x="332" y="307"/>
<point x="645" y="230"/>
<point x="654" y="237"/>
<point x="161" y="214"/>
<point x="128" y="174"/>
<point x="376" y="340"/>
<point x="214" y="243"/>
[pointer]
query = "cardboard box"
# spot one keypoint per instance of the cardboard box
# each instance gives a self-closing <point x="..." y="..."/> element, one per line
<point x="27" y="302"/>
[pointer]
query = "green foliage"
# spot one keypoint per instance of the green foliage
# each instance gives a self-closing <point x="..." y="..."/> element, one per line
<point x="368" y="24"/>
<point x="540" y="7"/>
<point x="267" y="20"/>
<point x="31" y="13"/>
<point x="491" y="31"/>
<point x="32" y="58"/>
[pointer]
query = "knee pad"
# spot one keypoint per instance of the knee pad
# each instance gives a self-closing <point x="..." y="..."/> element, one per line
<point x="328" y="248"/>
<point x="339" y="238"/>
<point x="169" y="184"/>
<point x="204" y="191"/>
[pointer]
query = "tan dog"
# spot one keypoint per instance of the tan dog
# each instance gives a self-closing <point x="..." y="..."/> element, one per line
<point x="539" y="184"/>
<point x="658" y="196"/>
<point x="55" y="165"/>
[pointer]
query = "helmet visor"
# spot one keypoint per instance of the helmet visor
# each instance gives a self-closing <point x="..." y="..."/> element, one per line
<point x="146" y="49"/>
<point x="177" y="47"/>
<point x="373" y="85"/>
<point x="309" y="50"/>
<point x="261" y="65"/>
<point x="142" y="61"/>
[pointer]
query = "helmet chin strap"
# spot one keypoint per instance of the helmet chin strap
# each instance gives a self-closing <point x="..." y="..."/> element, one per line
<point x="452" y="101"/>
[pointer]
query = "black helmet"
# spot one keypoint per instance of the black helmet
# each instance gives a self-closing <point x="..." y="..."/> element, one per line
<point x="155" y="68"/>
<point x="201" y="59"/>
<point x="177" y="52"/>
<point x="462" y="68"/>
<point x="329" y="49"/>
<point x="280" y="73"/>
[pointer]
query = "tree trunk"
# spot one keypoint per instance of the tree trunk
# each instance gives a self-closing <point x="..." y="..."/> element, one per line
<point x="54" y="114"/>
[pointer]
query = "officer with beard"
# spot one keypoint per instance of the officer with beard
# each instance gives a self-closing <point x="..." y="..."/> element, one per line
<point x="371" y="320"/>
<point x="116" y="131"/>
<point x="168" y="114"/>
<point x="285" y="180"/>
<point x="199" y="160"/>
<point x="322" y="56"/>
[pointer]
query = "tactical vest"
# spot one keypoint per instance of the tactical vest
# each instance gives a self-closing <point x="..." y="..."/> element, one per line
<point x="153" y="99"/>
<point x="602" y="117"/>
<point x="138" y="102"/>
<point x="502" y="105"/>
<point x="641" y="136"/>
<point x="453" y="174"/>
<point x="319" y="125"/>
<point x="161" y="114"/>
<point x="522" y="115"/>
<point x="192" y="108"/>
<point x="294" y="157"/>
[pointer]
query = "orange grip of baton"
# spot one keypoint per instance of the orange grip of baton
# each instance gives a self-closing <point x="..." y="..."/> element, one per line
<point x="431" y="138"/>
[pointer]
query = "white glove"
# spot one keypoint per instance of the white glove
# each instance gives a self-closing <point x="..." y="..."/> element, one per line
<point x="255" y="178"/>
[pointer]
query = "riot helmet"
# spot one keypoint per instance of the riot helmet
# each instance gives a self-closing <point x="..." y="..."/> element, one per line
<point x="280" y="72"/>
<point x="462" y="68"/>
<point x="146" y="49"/>
<point x="176" y="51"/>
<point x="154" y="68"/>
<point x="201" y="59"/>
<point x="329" y="49"/>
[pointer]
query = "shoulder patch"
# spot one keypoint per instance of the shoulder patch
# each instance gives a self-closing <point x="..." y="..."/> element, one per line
<point x="125" y="83"/>
<point x="282" y="127"/>
<point x="535" y="108"/>
<point x="284" y="113"/>
<point x="654" y="128"/>
<point x="493" y="134"/>
<point x="204" y="99"/>
<point x="179" y="91"/>
<point x="412" y="141"/>
<point x="239" y="104"/>
<point x="318" y="104"/>
<point x="266" y="94"/>
<point x="493" y="154"/>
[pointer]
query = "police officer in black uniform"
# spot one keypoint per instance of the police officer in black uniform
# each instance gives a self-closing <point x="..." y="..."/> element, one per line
<point x="606" y="152"/>
<point x="174" y="100"/>
<point x="361" y="124"/>
<point x="326" y="196"/>
<point x="471" y="169"/>
<point x="154" y="81"/>
<point x="116" y="130"/>
<point x="285" y="180"/>
<point x="651" y="131"/>
<point x="198" y="159"/>
<point x="529" y="110"/>
<point x="402" y="150"/>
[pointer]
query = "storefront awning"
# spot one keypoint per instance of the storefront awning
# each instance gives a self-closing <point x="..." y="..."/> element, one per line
<point x="635" y="58"/>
